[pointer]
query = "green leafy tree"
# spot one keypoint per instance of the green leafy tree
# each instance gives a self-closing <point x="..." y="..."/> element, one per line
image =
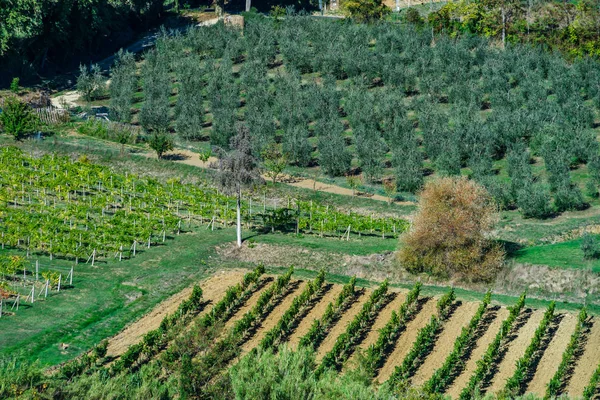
<point x="161" y="142"/>
<point x="122" y="87"/>
<point x="189" y="111"/>
<point x="17" y="118"/>
<point x="14" y="85"/>
<point x="365" y="10"/>
<point x="154" y="115"/>
<point x="90" y="82"/>
<point x="275" y="161"/>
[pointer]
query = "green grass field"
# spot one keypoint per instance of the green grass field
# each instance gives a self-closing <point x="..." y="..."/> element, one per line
<point x="563" y="255"/>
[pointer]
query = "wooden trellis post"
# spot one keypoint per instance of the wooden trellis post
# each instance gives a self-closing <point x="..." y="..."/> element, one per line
<point x="59" y="281"/>
<point x="37" y="269"/>
<point x="70" y="277"/>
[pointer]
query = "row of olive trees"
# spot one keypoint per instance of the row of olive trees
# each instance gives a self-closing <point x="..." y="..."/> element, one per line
<point x="404" y="104"/>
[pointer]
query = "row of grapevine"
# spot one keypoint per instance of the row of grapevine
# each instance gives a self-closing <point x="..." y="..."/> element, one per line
<point x="290" y="317"/>
<point x="425" y="340"/>
<point x="375" y="355"/>
<point x="592" y="388"/>
<point x="557" y="383"/>
<point x="486" y="363"/>
<point x="263" y="305"/>
<point x="320" y="327"/>
<point x="515" y="385"/>
<point x="234" y="297"/>
<point x="156" y="339"/>
<point x="455" y="362"/>
<point x="347" y="341"/>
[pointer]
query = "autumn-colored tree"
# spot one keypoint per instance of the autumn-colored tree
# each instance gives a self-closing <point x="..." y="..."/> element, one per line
<point x="450" y="234"/>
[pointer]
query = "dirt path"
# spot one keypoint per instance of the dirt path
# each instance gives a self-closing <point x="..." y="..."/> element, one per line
<point x="340" y="326"/>
<point x="316" y="313"/>
<point x="407" y="339"/>
<point x="384" y="316"/>
<point x="272" y="319"/>
<point x="480" y="348"/>
<point x="552" y="356"/>
<point x="587" y="363"/>
<point x="188" y="157"/>
<point x="213" y="288"/>
<point x="515" y="351"/>
<point x="445" y="342"/>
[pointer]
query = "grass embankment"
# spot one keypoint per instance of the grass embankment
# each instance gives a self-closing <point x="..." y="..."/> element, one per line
<point x="563" y="255"/>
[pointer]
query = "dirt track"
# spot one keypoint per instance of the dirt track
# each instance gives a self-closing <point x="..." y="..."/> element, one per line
<point x="587" y="363"/>
<point x="445" y="342"/>
<point x="552" y="356"/>
<point x="516" y="349"/>
<point x="406" y="340"/>
<point x="212" y="288"/>
<point x="480" y="348"/>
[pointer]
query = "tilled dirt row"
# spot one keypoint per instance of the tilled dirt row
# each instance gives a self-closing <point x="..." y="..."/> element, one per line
<point x="212" y="288"/>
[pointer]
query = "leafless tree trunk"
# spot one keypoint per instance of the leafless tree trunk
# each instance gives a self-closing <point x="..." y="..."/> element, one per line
<point x="239" y="217"/>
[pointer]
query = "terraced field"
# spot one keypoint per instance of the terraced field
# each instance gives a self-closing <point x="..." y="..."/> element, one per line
<point x="468" y="329"/>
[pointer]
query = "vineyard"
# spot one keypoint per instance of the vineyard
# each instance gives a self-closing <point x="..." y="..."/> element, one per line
<point x="85" y="212"/>
<point x="400" y="338"/>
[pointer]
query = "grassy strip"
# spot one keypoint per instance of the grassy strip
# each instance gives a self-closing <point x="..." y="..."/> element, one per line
<point x="345" y="343"/>
<point x="444" y="375"/>
<point x="484" y="365"/>
<point x="515" y="385"/>
<point x="424" y="342"/>
<point x="289" y="319"/>
<point x="376" y="353"/>
<point x="320" y="327"/>
<point x="557" y="382"/>
<point x="592" y="387"/>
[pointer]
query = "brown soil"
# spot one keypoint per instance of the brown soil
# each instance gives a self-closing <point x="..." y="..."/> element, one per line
<point x="552" y="356"/>
<point x="272" y="319"/>
<point x="212" y="289"/>
<point x="445" y="342"/>
<point x="340" y="326"/>
<point x="480" y="348"/>
<point x="406" y="340"/>
<point x="384" y="316"/>
<point x="587" y="363"/>
<point x="515" y="351"/>
<point x="316" y="313"/>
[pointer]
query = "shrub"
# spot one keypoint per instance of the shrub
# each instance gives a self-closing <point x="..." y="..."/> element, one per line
<point x="161" y="143"/>
<point x="14" y="85"/>
<point x="17" y="119"/>
<point x="450" y="233"/>
<point x="590" y="245"/>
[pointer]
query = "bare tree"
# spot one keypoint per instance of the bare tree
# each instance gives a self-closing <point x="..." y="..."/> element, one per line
<point x="238" y="169"/>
